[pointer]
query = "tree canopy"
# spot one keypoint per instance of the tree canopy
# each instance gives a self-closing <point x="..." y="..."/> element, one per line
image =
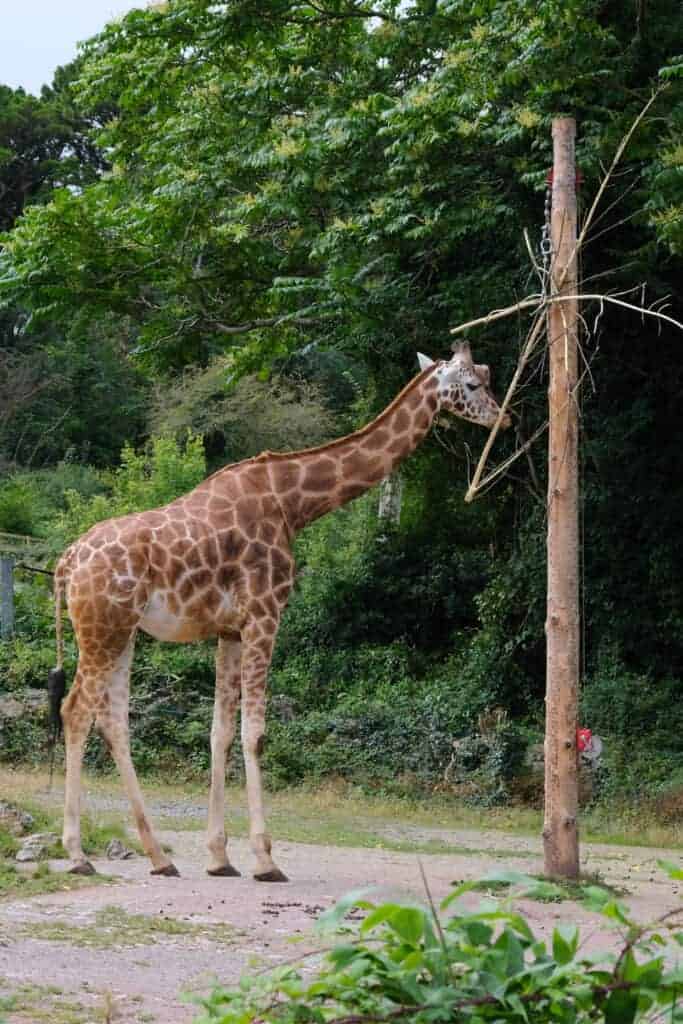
<point x="327" y="172"/>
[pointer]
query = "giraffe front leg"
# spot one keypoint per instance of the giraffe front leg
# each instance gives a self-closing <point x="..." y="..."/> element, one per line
<point x="256" y="655"/>
<point x="228" y="683"/>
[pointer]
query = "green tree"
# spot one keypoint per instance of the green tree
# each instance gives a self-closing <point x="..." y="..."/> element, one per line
<point x="44" y="144"/>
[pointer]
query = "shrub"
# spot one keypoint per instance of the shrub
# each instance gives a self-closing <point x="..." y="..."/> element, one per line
<point x="629" y="705"/>
<point x="242" y="417"/>
<point x="16" y="506"/>
<point x="478" y="966"/>
<point x="166" y="470"/>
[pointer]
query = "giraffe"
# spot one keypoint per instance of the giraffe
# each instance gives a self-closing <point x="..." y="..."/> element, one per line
<point x="218" y="563"/>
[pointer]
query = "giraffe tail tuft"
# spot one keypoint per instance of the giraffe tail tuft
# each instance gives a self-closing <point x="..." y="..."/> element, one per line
<point x="56" y="688"/>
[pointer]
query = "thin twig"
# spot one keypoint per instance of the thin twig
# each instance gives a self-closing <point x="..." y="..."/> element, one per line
<point x="605" y="181"/>
<point x="437" y="922"/>
<point x="542" y="306"/>
<point x="523" y="359"/>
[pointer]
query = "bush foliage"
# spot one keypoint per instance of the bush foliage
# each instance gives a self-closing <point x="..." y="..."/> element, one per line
<point x="478" y="966"/>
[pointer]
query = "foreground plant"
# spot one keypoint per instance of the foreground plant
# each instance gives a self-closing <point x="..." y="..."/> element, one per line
<point x="407" y="964"/>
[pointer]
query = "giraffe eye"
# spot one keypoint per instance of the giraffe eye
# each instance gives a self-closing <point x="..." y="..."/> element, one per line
<point x="474" y="387"/>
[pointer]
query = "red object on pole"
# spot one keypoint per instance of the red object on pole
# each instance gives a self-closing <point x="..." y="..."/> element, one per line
<point x="583" y="739"/>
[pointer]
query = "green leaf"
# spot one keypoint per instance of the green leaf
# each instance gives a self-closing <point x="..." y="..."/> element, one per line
<point x="621" y="1007"/>
<point x="565" y="943"/>
<point x="673" y="870"/>
<point x="379" y="915"/>
<point x="408" y="922"/>
<point x="334" y="917"/>
<point x="509" y="944"/>
<point x="459" y="891"/>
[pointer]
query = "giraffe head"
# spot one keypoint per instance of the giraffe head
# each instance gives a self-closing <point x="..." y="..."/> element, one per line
<point x="464" y="387"/>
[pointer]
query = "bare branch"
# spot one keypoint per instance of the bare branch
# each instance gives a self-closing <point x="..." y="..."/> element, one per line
<point x="499" y="314"/>
<point x="541" y="303"/>
<point x="643" y="310"/>
<point x="541" y="307"/>
<point x="273" y="321"/>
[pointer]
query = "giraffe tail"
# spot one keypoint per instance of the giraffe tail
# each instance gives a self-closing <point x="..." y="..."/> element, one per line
<point x="56" y="679"/>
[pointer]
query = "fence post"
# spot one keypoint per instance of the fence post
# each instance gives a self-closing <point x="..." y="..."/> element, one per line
<point x="6" y="597"/>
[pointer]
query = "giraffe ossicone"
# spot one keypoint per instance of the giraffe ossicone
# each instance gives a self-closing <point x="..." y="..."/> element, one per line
<point x="217" y="562"/>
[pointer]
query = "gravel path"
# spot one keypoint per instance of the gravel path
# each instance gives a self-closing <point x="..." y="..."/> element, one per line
<point x="117" y="962"/>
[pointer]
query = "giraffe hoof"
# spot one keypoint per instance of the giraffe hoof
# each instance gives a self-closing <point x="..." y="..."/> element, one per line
<point x="168" y="871"/>
<point x="81" y="867"/>
<point x="274" y="875"/>
<point x="225" y="871"/>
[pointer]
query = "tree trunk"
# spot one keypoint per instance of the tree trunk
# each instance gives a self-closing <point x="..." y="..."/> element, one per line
<point x="560" y="829"/>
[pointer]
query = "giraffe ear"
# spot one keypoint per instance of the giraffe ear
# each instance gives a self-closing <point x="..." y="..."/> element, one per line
<point x="424" y="361"/>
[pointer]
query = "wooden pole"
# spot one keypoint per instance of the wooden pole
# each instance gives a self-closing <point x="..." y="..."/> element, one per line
<point x="560" y="828"/>
<point x="6" y="597"/>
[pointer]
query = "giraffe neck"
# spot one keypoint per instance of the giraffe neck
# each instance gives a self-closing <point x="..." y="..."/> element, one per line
<point x="311" y="483"/>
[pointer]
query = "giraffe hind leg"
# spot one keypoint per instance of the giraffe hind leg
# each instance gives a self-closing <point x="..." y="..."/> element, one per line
<point x="112" y="721"/>
<point x="228" y="686"/>
<point x="77" y="718"/>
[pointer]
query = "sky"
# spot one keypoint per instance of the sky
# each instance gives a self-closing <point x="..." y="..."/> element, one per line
<point x="36" y="36"/>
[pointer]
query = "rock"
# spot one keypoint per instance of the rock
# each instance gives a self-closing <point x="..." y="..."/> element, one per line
<point x="282" y="707"/>
<point x="14" y="819"/>
<point x="15" y="705"/>
<point x="10" y="707"/>
<point x="117" y="851"/>
<point x="35" y="847"/>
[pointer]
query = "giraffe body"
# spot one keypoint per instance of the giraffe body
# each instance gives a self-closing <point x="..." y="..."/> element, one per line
<point x="218" y="563"/>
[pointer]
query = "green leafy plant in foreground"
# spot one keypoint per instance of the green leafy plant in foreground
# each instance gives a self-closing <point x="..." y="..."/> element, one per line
<point x="483" y="965"/>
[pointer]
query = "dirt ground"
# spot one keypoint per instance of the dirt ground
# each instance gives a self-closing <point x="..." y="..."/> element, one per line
<point x="130" y="953"/>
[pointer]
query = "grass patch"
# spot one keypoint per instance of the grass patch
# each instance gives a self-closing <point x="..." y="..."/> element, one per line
<point x="345" y="815"/>
<point x="113" y="927"/>
<point x="32" y="1004"/>
<point x="19" y="883"/>
<point x="9" y="844"/>
<point x="15" y="883"/>
<point x="96" y="831"/>
<point x="45" y="1004"/>
<point x="551" y="890"/>
<point x="336" y="829"/>
<point x="629" y="825"/>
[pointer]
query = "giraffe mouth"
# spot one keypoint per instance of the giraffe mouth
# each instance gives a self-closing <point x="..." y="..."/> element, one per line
<point x="504" y="423"/>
